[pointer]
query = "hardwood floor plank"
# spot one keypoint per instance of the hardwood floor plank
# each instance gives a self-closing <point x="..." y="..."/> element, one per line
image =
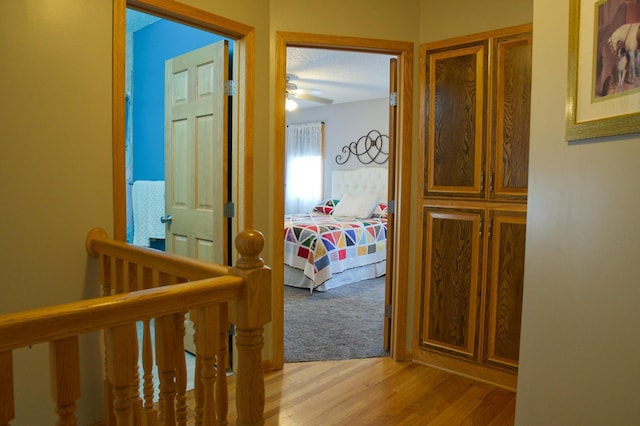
<point x="402" y="395"/>
<point x="462" y="408"/>
<point x="378" y="391"/>
<point x="492" y="408"/>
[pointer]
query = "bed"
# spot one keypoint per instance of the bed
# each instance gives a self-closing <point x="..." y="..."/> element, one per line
<point x="343" y="239"/>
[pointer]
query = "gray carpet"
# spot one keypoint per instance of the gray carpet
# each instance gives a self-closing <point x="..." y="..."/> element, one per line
<point x="341" y="323"/>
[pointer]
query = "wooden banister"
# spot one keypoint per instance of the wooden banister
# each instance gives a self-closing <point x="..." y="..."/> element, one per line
<point x="98" y="243"/>
<point x="140" y="285"/>
<point x="71" y="319"/>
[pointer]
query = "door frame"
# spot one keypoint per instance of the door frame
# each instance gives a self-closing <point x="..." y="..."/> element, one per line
<point x="241" y="109"/>
<point x="404" y="52"/>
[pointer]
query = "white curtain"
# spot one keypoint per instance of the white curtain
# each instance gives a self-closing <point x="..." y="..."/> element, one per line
<point x="303" y="172"/>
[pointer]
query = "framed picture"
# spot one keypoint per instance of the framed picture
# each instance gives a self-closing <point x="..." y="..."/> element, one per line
<point x="604" y="68"/>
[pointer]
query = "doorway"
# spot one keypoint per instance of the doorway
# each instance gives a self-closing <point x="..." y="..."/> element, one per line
<point x="400" y="177"/>
<point x="342" y="96"/>
<point x="155" y="192"/>
<point x="239" y="136"/>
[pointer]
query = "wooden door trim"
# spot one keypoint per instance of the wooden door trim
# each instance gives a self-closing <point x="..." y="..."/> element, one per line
<point x="404" y="51"/>
<point x="244" y="38"/>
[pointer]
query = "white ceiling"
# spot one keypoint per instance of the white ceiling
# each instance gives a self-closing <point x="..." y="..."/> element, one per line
<point x="338" y="75"/>
<point x="138" y="20"/>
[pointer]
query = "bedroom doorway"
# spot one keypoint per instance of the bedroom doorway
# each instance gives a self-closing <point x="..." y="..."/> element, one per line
<point x="338" y="103"/>
<point x="398" y="189"/>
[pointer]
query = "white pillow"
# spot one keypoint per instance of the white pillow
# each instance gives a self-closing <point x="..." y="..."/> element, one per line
<point x="359" y="206"/>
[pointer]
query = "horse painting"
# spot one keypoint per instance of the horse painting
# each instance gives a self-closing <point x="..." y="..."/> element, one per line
<point x="626" y="38"/>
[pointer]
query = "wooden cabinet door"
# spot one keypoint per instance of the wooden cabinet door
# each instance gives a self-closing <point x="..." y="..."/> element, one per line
<point x="451" y="279"/>
<point x="504" y="288"/>
<point x="455" y="105"/>
<point x="512" y="106"/>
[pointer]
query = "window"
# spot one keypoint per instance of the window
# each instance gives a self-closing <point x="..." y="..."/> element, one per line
<point x="303" y="167"/>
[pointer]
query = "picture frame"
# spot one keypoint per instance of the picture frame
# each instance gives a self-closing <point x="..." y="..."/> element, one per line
<point x="603" y="89"/>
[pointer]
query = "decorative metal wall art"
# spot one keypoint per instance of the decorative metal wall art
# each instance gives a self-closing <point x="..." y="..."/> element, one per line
<point x="368" y="149"/>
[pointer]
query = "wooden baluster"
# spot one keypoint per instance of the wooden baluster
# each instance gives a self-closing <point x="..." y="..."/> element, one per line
<point x="149" y="278"/>
<point x="144" y="280"/>
<point x="165" y="356"/>
<point x="124" y="276"/>
<point x="121" y="361"/>
<point x="221" y="390"/>
<point x="130" y="284"/>
<point x="198" y="391"/>
<point x="105" y="278"/>
<point x="7" y="404"/>
<point x="181" y="371"/>
<point x="116" y="273"/>
<point x="136" y="401"/>
<point x="132" y="276"/>
<point x="64" y="373"/>
<point x="205" y="350"/>
<point x="150" y="412"/>
<point x="105" y="274"/>
<point x="250" y="314"/>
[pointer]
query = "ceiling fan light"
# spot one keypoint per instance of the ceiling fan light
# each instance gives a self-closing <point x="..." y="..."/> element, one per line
<point x="290" y="104"/>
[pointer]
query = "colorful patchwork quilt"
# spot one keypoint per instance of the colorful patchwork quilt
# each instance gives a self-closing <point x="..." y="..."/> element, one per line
<point x="322" y="245"/>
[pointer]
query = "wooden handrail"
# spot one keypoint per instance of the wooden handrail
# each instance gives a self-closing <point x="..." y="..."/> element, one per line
<point x="71" y="319"/>
<point x="139" y="285"/>
<point x="98" y="243"/>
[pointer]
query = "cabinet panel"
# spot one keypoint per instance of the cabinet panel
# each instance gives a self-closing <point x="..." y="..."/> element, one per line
<point x="505" y="279"/>
<point x="450" y="284"/>
<point x="512" y="84"/>
<point x="455" y="108"/>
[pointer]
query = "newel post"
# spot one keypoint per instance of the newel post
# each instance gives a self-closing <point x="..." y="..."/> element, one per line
<point x="250" y="314"/>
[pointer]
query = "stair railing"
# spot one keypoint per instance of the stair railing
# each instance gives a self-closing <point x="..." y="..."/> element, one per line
<point x="141" y="285"/>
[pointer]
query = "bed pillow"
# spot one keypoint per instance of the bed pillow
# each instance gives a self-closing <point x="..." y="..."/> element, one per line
<point x="358" y="206"/>
<point x="326" y="206"/>
<point x="381" y="210"/>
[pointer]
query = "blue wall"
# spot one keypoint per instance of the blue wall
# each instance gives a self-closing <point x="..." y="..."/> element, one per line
<point x="152" y="46"/>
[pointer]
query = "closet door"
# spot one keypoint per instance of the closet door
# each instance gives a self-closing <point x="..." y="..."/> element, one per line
<point x="451" y="279"/>
<point x="455" y="105"/>
<point x="504" y="288"/>
<point x="512" y="100"/>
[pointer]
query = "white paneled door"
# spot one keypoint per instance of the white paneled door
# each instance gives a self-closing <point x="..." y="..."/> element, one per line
<point x="196" y="153"/>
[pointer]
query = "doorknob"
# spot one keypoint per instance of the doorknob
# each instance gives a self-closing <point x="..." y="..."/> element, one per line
<point x="166" y="219"/>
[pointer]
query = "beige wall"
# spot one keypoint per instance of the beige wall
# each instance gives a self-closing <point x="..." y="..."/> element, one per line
<point x="56" y="162"/>
<point x="446" y="19"/>
<point x="55" y="169"/>
<point x="580" y="339"/>
<point x="579" y="352"/>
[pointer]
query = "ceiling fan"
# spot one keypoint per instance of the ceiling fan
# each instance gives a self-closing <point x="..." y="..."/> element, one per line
<point x="293" y="91"/>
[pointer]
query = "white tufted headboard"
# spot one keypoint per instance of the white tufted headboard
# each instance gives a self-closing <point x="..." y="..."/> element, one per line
<point x="367" y="180"/>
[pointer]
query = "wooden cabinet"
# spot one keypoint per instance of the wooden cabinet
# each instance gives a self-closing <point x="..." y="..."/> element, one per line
<point x="503" y="300"/>
<point x="477" y="115"/>
<point x="475" y="111"/>
<point x="473" y="269"/>
<point x="455" y="100"/>
<point x="451" y="279"/>
<point x="510" y="125"/>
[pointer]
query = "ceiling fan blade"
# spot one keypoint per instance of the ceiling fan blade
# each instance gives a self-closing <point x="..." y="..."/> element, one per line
<point x="313" y="98"/>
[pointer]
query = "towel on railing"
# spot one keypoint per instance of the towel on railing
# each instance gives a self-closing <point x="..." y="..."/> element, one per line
<point x="147" y="199"/>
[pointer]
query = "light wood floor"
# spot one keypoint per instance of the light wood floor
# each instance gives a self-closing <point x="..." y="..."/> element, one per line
<point x="378" y="391"/>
